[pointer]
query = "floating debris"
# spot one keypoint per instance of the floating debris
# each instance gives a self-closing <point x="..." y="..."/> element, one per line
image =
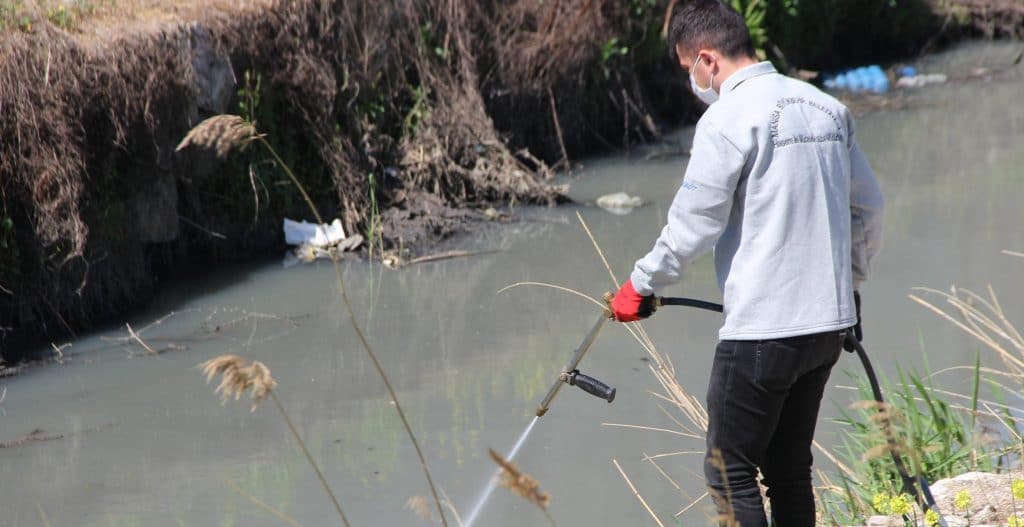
<point x="619" y="203"/>
<point x="923" y="79"/>
<point x="314" y="241"/>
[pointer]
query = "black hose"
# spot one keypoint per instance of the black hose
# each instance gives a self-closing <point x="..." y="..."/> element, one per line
<point x="924" y="496"/>
<point x="689" y="302"/>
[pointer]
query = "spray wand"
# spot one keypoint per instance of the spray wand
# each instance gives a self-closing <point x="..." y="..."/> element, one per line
<point x="572" y="376"/>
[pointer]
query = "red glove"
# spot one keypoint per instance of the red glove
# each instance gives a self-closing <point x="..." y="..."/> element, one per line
<point x="630" y="306"/>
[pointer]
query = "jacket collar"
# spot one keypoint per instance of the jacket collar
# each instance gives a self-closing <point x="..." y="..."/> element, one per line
<point x="754" y="70"/>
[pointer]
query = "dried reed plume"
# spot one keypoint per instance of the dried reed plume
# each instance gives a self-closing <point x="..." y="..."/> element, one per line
<point x="521" y="483"/>
<point x="727" y="514"/>
<point x="885" y="418"/>
<point x="238" y="376"/>
<point x="421" y="506"/>
<point x="223" y="133"/>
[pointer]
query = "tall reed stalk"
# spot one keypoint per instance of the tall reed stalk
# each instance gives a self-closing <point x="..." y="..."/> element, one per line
<point x="226" y="132"/>
<point x="237" y="377"/>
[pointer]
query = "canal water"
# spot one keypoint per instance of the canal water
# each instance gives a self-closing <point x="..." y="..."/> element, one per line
<point x="120" y="437"/>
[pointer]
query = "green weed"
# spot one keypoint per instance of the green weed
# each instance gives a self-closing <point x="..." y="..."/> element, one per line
<point x="374" y="223"/>
<point x="61" y="17"/>
<point x="611" y="50"/>
<point x="934" y="438"/>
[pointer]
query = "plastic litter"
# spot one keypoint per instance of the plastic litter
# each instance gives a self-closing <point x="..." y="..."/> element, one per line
<point x="300" y="232"/>
<point x="619" y="203"/>
<point x="314" y="241"/>
<point x="907" y="71"/>
<point x="924" y="79"/>
<point x="866" y="79"/>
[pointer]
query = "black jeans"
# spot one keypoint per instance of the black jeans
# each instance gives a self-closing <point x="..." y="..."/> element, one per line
<point x="763" y="401"/>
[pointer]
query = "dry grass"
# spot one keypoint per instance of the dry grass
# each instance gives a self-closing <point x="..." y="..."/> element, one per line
<point x="105" y="18"/>
<point x="885" y="419"/>
<point x="981" y="317"/>
<point x="448" y="99"/>
<point x="239" y="376"/>
<point x="287" y="520"/>
<point x="991" y="18"/>
<point x="521" y="484"/>
<point x="637" y="494"/>
<point x="421" y="506"/>
<point x="727" y="518"/>
<point x="222" y="133"/>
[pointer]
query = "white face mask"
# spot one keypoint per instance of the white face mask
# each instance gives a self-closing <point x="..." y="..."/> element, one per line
<point x="707" y="95"/>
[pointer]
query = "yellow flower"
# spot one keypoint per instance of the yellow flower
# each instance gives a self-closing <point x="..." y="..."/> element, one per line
<point x="931" y="518"/>
<point x="1015" y="521"/>
<point x="1018" y="488"/>
<point x="900" y="505"/>
<point x="962" y="500"/>
<point x="881" y="503"/>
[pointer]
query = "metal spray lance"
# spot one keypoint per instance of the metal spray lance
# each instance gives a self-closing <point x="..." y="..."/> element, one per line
<point x="571" y="374"/>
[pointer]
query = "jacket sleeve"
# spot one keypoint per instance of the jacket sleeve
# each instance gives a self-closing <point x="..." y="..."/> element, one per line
<point x="699" y="212"/>
<point x="867" y="207"/>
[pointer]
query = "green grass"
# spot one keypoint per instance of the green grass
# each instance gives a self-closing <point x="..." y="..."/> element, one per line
<point x="66" y="15"/>
<point x="934" y="437"/>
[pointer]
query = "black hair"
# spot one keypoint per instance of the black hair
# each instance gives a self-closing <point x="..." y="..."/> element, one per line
<point x="709" y="24"/>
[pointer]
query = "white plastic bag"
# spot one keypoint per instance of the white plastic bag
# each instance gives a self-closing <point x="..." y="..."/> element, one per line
<point x="303" y="232"/>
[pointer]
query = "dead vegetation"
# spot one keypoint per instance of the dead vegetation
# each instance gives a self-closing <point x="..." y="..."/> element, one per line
<point x="39" y="435"/>
<point x="238" y="376"/>
<point x="521" y="484"/>
<point x="991" y="18"/>
<point x="468" y="103"/>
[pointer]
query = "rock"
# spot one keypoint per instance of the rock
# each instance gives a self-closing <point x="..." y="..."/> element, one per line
<point x="619" y="203"/>
<point x="986" y="514"/>
<point x="153" y="210"/>
<point x="214" y="78"/>
<point x="893" y="521"/>
<point x="991" y="496"/>
<point x="884" y="521"/>
<point x="955" y="521"/>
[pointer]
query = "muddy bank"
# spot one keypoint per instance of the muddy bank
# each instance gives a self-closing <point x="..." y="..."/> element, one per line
<point x="384" y="113"/>
<point x="989" y="18"/>
<point x="401" y="121"/>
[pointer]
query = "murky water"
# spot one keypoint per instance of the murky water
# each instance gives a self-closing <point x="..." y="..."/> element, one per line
<point x="146" y="442"/>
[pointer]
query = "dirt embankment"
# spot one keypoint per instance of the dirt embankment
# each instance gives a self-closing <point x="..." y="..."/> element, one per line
<point x="401" y="118"/>
<point x="989" y="18"/>
<point x="389" y="113"/>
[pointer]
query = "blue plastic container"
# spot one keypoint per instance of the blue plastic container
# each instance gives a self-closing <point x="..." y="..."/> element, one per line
<point x="859" y="80"/>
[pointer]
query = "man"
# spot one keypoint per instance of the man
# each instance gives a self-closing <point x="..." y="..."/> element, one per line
<point x="778" y="186"/>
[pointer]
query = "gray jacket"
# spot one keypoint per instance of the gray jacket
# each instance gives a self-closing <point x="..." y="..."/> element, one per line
<point x="778" y="186"/>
